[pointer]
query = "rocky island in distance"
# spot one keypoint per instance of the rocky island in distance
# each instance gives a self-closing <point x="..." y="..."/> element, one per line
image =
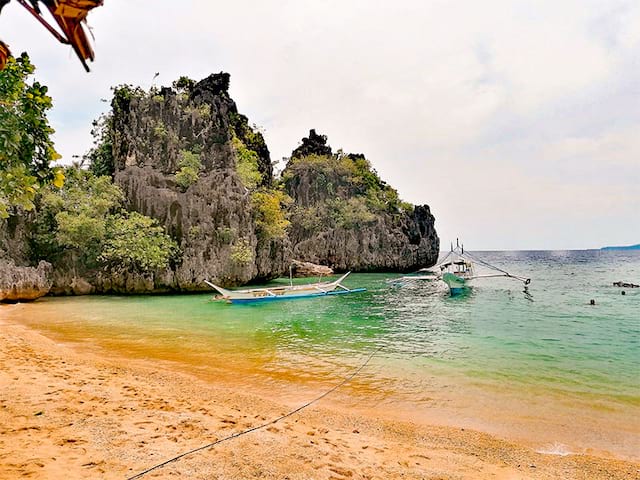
<point x="622" y="247"/>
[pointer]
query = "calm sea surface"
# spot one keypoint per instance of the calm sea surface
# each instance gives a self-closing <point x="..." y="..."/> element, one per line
<point x="554" y="372"/>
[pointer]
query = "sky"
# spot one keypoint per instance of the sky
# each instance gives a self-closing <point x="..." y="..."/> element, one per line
<point x="517" y="122"/>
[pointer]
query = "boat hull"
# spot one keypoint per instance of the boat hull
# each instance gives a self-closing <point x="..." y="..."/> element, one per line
<point x="293" y="297"/>
<point x="456" y="284"/>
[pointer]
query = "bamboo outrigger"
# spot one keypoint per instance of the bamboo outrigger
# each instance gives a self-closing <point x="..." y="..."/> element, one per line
<point x="288" y="292"/>
<point x="458" y="268"/>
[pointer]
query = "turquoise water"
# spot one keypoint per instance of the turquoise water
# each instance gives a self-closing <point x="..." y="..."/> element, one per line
<point x="491" y="359"/>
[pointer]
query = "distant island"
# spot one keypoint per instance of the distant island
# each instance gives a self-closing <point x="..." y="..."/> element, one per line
<point x="627" y="247"/>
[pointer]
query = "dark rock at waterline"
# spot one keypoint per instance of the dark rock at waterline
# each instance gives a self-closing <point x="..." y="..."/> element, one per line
<point x="19" y="284"/>
<point x="307" y="269"/>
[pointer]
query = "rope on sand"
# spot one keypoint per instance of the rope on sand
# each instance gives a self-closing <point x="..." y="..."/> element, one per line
<point x="253" y="429"/>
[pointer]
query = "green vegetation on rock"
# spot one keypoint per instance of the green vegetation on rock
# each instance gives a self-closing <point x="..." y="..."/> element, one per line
<point x="342" y="190"/>
<point x="241" y="252"/>
<point x="85" y="218"/>
<point x="189" y="169"/>
<point x="247" y="164"/>
<point x="269" y="214"/>
<point x="100" y="156"/>
<point x="350" y="213"/>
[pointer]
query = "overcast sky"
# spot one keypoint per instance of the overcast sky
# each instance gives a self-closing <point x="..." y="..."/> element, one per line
<point x="518" y="122"/>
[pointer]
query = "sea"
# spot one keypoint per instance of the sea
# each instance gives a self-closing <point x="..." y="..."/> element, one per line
<point x="543" y="367"/>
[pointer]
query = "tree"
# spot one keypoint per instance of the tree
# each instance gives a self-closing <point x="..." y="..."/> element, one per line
<point x="100" y="156"/>
<point x="72" y="219"/>
<point x="136" y="243"/>
<point x="314" y="144"/>
<point x="184" y="84"/>
<point x="85" y="221"/>
<point x="26" y="148"/>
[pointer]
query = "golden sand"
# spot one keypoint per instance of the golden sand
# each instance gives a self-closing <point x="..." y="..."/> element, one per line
<point x="73" y="415"/>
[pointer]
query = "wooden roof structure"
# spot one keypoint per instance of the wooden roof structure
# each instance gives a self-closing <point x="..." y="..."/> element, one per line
<point x="70" y="17"/>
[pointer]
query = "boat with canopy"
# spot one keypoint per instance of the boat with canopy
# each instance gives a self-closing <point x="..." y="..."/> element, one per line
<point x="457" y="268"/>
<point x="287" y="292"/>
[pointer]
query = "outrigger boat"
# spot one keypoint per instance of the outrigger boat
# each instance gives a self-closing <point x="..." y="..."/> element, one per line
<point x="288" y="292"/>
<point x="458" y="268"/>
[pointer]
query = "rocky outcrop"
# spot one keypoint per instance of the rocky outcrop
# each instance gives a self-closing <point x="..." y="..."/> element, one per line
<point x="186" y="157"/>
<point x="19" y="284"/>
<point x="212" y="220"/>
<point x="345" y="216"/>
<point x="307" y="269"/>
<point x="402" y="243"/>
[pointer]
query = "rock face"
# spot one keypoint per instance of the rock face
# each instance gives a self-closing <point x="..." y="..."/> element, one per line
<point x="345" y="216"/>
<point x="402" y="243"/>
<point x="307" y="269"/>
<point x="212" y="219"/>
<point x="23" y="283"/>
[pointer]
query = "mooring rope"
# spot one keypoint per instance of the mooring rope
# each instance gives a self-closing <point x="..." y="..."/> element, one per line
<point x="526" y="281"/>
<point x="253" y="429"/>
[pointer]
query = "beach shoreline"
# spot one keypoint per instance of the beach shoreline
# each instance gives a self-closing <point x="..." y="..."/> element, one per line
<point x="70" y="413"/>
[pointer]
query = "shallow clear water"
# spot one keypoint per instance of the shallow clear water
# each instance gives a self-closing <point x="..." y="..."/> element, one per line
<point x="554" y="369"/>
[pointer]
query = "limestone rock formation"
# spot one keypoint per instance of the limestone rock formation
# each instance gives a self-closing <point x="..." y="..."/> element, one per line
<point x="345" y="216"/>
<point x="23" y="283"/>
<point x="358" y="221"/>
<point x="186" y="157"/>
<point x="212" y="219"/>
<point x="307" y="269"/>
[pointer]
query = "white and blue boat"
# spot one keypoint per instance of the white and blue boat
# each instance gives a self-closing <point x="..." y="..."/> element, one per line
<point x="458" y="268"/>
<point x="287" y="292"/>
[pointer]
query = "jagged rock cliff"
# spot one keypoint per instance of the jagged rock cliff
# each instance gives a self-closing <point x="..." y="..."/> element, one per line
<point x="212" y="218"/>
<point x="186" y="157"/>
<point x="345" y="216"/>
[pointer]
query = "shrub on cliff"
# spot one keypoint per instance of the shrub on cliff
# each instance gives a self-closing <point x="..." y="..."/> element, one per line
<point x="189" y="169"/>
<point x="246" y="164"/>
<point x="26" y="148"/>
<point x="100" y="156"/>
<point x="269" y="214"/>
<point x="318" y="179"/>
<point x="241" y="252"/>
<point x="350" y="213"/>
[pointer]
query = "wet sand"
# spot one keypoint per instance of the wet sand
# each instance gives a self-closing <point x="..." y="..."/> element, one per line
<point x="71" y="414"/>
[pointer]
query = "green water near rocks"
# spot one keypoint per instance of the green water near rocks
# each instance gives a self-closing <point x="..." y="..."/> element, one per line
<point x="490" y="359"/>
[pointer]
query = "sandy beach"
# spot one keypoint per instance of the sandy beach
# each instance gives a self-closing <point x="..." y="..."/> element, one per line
<point x="71" y="414"/>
